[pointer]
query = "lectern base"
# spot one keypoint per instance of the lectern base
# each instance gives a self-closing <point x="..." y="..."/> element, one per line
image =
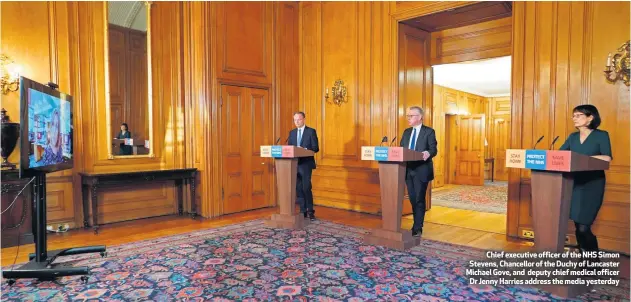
<point x="566" y="291"/>
<point x="293" y="222"/>
<point x="401" y="240"/>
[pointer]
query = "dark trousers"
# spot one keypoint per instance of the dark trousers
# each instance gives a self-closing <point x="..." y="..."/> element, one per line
<point x="303" y="189"/>
<point x="586" y="239"/>
<point x="417" y="190"/>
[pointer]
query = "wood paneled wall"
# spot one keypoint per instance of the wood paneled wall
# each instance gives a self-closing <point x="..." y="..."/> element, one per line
<point x="498" y="134"/>
<point x="484" y="40"/>
<point x="344" y="40"/>
<point x="559" y="50"/>
<point x="451" y="101"/>
<point x="558" y="54"/>
<point x="247" y="45"/>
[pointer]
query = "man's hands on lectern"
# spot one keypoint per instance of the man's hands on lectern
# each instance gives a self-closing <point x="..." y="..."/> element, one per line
<point x="425" y="155"/>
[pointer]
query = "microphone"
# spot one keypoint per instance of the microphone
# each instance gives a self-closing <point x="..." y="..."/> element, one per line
<point x="535" y="145"/>
<point x="393" y="140"/>
<point x="276" y="143"/>
<point x="384" y="140"/>
<point x="554" y="141"/>
<point x="287" y="140"/>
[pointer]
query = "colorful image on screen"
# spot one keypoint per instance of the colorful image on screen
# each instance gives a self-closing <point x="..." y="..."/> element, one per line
<point x="49" y="129"/>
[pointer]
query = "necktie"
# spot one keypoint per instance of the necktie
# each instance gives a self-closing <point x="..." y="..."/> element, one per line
<point x="299" y="136"/>
<point x="413" y="138"/>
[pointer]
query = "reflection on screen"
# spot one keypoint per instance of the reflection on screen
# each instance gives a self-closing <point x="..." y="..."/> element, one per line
<point x="49" y="129"/>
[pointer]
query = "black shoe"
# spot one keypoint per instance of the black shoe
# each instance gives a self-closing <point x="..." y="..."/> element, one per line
<point x="305" y="214"/>
<point x="417" y="233"/>
<point x="312" y="215"/>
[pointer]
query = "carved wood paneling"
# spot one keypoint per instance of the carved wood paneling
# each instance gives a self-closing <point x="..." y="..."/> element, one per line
<point x="558" y="53"/>
<point x="345" y="41"/>
<point x="473" y="42"/>
<point x="245" y="41"/>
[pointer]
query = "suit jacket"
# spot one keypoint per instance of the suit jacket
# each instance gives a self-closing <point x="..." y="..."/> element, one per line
<point x="309" y="141"/>
<point x="425" y="141"/>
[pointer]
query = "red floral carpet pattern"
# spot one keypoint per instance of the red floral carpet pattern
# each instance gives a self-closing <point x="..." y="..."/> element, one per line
<point x="249" y="262"/>
<point x="490" y="198"/>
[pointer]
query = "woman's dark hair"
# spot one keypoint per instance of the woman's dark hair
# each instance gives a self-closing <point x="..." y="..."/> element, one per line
<point x="589" y="110"/>
<point x="126" y="127"/>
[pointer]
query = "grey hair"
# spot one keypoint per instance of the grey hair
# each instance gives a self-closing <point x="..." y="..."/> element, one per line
<point x="419" y="109"/>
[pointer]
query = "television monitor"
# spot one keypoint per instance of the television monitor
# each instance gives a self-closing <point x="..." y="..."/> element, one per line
<point x="45" y="129"/>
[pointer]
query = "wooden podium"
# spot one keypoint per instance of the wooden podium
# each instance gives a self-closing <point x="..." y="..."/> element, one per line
<point x="551" y="187"/>
<point x="392" y="162"/>
<point x="286" y="160"/>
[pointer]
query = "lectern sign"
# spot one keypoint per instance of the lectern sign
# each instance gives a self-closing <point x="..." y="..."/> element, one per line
<point x="536" y="159"/>
<point x="558" y="161"/>
<point x="368" y="153"/>
<point x="515" y="158"/>
<point x="266" y="151"/>
<point x="381" y="153"/>
<point x="277" y="151"/>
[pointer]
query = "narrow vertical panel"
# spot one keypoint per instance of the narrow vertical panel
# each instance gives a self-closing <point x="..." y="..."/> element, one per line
<point x="544" y="67"/>
<point x="340" y="61"/>
<point x="562" y="77"/>
<point x="287" y="61"/>
<point x="576" y="51"/>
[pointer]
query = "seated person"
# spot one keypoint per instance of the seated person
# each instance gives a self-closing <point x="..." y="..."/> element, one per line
<point x="123" y="134"/>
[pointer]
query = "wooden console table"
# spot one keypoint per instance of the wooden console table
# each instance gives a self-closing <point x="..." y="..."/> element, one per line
<point x="19" y="219"/>
<point x="95" y="181"/>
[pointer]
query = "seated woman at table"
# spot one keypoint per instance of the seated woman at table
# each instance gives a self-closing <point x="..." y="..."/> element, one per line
<point x="589" y="186"/>
<point x="123" y="134"/>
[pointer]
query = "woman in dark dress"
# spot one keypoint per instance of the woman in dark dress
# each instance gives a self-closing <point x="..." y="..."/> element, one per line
<point x="123" y="134"/>
<point x="589" y="186"/>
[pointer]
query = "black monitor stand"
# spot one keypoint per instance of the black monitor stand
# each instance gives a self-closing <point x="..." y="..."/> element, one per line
<point x="40" y="265"/>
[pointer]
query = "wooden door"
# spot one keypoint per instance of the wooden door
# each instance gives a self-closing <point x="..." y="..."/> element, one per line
<point x="470" y="150"/>
<point x="501" y="142"/>
<point x="246" y="124"/>
<point x="415" y="84"/>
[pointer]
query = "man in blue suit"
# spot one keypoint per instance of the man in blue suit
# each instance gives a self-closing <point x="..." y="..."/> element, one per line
<point x="418" y="174"/>
<point x="307" y="138"/>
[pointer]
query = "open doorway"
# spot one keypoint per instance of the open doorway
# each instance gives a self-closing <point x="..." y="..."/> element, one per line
<point x="472" y="114"/>
<point x="457" y="64"/>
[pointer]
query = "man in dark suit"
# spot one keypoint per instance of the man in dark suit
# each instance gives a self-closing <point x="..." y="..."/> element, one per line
<point x="307" y="138"/>
<point x="418" y="174"/>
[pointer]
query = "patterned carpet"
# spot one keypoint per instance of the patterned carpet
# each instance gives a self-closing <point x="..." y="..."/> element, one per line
<point x="490" y="198"/>
<point x="249" y="262"/>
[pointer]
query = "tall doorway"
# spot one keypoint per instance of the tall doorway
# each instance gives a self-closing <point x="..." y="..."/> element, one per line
<point x="456" y="64"/>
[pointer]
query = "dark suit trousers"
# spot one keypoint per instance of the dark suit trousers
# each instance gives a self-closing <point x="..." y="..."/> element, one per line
<point x="303" y="188"/>
<point x="417" y="190"/>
